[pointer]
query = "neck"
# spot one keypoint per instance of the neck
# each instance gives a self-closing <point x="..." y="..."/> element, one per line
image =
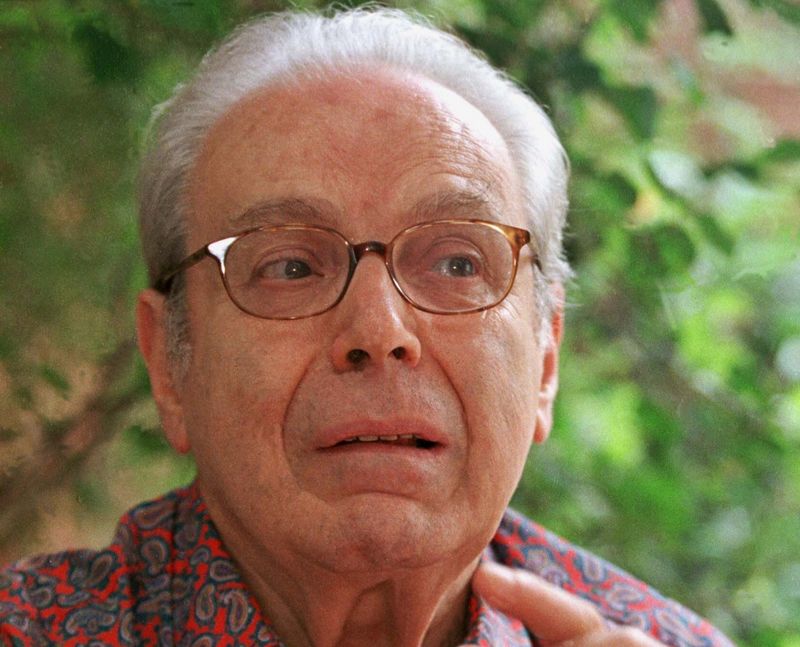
<point x="358" y="589"/>
<point x="311" y="604"/>
<point x="410" y="609"/>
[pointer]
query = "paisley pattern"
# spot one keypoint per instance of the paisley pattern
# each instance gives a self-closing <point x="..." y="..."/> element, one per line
<point x="620" y="597"/>
<point x="166" y="579"/>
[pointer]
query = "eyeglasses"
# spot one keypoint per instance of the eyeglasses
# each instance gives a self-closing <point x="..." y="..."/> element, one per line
<point x="295" y="271"/>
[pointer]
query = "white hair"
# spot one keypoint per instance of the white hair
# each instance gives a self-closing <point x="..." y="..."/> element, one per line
<point x="291" y="46"/>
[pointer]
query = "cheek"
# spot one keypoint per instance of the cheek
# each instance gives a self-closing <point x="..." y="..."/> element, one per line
<point x="495" y="373"/>
<point x="240" y="395"/>
<point x="498" y="371"/>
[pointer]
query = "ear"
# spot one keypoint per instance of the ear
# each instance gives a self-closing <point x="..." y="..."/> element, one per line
<point x="151" y="329"/>
<point x="548" y="386"/>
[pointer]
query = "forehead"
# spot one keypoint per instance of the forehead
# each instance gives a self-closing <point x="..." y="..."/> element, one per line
<point x="370" y="149"/>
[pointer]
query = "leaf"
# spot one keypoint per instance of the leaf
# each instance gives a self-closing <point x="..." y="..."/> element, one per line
<point x="786" y="10"/>
<point x="607" y="195"/>
<point x="90" y="494"/>
<point x="515" y="14"/>
<point x="675" y="247"/>
<point x="498" y="47"/>
<point x="578" y="71"/>
<point x="714" y="18"/>
<point x="107" y="59"/>
<point x="56" y="379"/>
<point x="196" y="16"/>
<point x="663" y="249"/>
<point x="637" y="14"/>
<point x="639" y="106"/>
<point x="148" y="442"/>
<point x="715" y="234"/>
<point x="786" y="150"/>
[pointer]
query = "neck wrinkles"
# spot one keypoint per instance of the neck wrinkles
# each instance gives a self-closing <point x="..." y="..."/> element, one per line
<point x="311" y="606"/>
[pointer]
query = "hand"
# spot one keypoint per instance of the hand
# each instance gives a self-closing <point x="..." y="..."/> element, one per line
<point x="557" y="618"/>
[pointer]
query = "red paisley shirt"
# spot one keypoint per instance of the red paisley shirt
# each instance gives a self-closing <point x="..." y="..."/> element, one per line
<point x="167" y="579"/>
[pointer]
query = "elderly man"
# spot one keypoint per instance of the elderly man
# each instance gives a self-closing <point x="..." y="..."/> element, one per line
<point x="352" y="227"/>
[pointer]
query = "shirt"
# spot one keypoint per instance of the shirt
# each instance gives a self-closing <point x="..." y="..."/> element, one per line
<point x="167" y="579"/>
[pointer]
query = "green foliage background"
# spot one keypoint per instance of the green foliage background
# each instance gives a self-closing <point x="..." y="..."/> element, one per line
<point x="676" y="449"/>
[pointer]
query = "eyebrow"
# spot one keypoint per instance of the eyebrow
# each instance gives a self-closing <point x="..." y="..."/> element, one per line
<point x="318" y="211"/>
<point x="474" y="204"/>
<point x="281" y="211"/>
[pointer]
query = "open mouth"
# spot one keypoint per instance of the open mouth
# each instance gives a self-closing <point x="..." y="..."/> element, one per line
<point x="399" y="440"/>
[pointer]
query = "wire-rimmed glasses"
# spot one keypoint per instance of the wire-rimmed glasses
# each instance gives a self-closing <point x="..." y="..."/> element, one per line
<point x="293" y="271"/>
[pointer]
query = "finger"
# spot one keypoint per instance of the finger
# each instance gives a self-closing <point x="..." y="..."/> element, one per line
<point x="618" y="637"/>
<point x="550" y="612"/>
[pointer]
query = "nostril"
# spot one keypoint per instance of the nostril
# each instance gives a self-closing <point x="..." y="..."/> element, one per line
<point x="399" y="352"/>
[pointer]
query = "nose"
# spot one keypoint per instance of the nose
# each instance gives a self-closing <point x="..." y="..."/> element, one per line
<point x="374" y="324"/>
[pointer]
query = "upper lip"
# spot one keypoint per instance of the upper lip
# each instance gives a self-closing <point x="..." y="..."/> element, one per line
<point x="332" y="435"/>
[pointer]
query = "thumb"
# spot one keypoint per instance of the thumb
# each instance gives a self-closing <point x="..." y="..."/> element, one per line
<point x="548" y="611"/>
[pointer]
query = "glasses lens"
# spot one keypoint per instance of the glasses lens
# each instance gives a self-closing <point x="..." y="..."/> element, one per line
<point x="453" y="267"/>
<point x="287" y="272"/>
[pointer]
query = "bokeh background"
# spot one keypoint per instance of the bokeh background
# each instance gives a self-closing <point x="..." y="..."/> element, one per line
<point x="676" y="450"/>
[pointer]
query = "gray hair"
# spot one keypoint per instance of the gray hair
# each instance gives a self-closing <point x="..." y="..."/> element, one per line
<point x="290" y="46"/>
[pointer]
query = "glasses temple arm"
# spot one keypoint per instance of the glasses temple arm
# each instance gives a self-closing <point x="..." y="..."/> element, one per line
<point x="163" y="283"/>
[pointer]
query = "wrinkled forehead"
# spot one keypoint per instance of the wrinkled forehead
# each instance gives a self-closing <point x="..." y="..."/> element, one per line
<point x="370" y="145"/>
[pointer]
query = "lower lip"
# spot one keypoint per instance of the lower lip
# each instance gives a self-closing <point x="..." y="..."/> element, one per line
<point x="361" y="467"/>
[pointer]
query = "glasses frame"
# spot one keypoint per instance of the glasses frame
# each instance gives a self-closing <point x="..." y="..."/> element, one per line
<point x="517" y="238"/>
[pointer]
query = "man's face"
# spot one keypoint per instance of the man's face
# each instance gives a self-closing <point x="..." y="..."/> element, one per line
<point x="265" y="403"/>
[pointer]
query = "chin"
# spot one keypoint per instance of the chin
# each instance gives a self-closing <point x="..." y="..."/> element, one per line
<point x="384" y="533"/>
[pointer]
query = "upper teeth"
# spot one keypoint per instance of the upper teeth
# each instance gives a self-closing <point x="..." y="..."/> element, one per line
<point x="372" y="439"/>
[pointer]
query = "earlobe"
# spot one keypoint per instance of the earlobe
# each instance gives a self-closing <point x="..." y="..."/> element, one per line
<point x="151" y="332"/>
<point x="548" y="386"/>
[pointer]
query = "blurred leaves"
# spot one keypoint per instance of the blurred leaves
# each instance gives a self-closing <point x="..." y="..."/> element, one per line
<point x="786" y="9"/>
<point x="713" y="17"/>
<point x="636" y="14"/>
<point x="106" y="58"/>
<point x="676" y="450"/>
<point x="55" y="379"/>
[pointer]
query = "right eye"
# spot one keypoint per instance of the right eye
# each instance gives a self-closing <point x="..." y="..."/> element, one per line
<point x="284" y="266"/>
<point x="283" y="270"/>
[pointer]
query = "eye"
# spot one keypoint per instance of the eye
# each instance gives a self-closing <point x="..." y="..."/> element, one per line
<point x="289" y="269"/>
<point x="455" y="266"/>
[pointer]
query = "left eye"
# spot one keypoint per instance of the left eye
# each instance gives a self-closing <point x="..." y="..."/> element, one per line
<point x="296" y="269"/>
<point x="456" y="266"/>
